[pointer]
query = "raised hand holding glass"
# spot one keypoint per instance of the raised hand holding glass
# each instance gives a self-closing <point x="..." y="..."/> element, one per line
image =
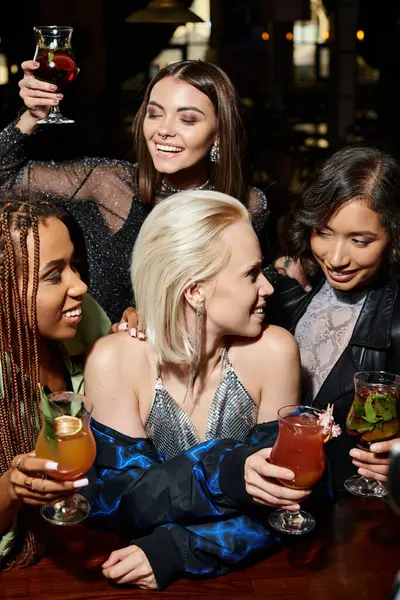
<point x="57" y="63"/>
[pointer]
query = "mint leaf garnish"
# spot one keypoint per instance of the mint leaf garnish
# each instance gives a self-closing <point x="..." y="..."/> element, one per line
<point x="365" y="429"/>
<point x="50" y="56"/>
<point x="370" y="412"/>
<point x="48" y="418"/>
<point x="358" y="410"/>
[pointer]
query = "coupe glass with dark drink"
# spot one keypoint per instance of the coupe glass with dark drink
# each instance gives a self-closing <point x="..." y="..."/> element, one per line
<point x="372" y="418"/>
<point x="57" y="63"/>
<point x="300" y="448"/>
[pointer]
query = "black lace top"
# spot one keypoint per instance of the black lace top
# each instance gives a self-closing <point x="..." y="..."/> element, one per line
<point x="102" y="196"/>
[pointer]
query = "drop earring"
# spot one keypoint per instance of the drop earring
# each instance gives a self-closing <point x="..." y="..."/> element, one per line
<point x="215" y="155"/>
<point x="198" y="336"/>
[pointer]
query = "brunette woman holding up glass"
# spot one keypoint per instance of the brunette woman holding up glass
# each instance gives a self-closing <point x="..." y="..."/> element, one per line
<point x="188" y="134"/>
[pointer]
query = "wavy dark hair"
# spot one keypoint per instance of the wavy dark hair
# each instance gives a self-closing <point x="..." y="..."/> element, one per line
<point x="354" y="172"/>
<point x="227" y="174"/>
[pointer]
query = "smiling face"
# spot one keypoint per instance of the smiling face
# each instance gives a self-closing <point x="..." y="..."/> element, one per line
<point x="235" y="300"/>
<point x="180" y="126"/>
<point x="350" y="249"/>
<point x="61" y="290"/>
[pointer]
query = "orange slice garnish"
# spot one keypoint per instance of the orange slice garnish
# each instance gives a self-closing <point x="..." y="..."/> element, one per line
<point x="66" y="426"/>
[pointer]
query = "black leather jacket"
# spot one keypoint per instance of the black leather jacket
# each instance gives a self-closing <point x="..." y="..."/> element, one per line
<point x="374" y="346"/>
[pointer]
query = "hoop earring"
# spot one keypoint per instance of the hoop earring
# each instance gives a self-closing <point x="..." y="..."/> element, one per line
<point x="198" y="336"/>
<point x="215" y="155"/>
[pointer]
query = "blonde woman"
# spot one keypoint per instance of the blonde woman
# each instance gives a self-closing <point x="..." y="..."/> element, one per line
<point x="209" y="370"/>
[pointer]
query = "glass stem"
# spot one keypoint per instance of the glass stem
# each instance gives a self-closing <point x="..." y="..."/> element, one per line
<point x="67" y="507"/>
<point x="55" y="110"/>
<point x="293" y="518"/>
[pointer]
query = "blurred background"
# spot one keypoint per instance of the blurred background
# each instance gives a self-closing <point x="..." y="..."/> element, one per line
<point x="312" y="75"/>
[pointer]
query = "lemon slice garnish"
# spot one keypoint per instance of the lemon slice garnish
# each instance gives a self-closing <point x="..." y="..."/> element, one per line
<point x="67" y="426"/>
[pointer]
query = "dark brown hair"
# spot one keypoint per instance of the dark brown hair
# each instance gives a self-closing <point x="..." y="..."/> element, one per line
<point x="19" y="415"/>
<point x="226" y="175"/>
<point x="354" y="172"/>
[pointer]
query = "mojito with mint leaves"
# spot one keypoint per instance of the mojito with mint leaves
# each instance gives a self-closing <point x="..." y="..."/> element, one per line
<point x="373" y="413"/>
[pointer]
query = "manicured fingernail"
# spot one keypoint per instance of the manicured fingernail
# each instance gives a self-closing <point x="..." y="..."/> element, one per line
<point x="308" y="288"/>
<point x="60" y="96"/>
<point x="36" y="64"/>
<point x="289" y="474"/>
<point x="53" y="88"/>
<point x="123" y="327"/>
<point x="375" y="448"/>
<point x="133" y="332"/>
<point x="51" y="465"/>
<point x="141" y="336"/>
<point x="80" y="483"/>
<point x="355" y="453"/>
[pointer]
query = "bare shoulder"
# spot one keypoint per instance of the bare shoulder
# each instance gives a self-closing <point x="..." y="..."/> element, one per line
<point x="278" y="339"/>
<point x="118" y="352"/>
<point x="272" y="346"/>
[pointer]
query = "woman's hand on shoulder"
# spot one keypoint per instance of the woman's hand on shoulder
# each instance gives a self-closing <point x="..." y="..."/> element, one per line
<point x="261" y="479"/>
<point x="129" y="322"/>
<point x="30" y="481"/>
<point x="289" y="267"/>
<point x="130" y="565"/>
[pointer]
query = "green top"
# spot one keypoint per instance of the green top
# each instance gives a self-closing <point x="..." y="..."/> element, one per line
<point x="93" y="325"/>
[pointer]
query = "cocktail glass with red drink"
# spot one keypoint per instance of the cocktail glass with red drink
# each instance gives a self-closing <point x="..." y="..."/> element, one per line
<point x="372" y="418"/>
<point x="66" y="438"/>
<point x="57" y="63"/>
<point x="300" y="448"/>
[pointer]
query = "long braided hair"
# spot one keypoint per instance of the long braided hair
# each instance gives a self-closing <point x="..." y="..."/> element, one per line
<point x="19" y="415"/>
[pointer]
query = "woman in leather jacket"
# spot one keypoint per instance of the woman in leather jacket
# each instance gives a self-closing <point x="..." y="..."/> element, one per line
<point x="345" y="232"/>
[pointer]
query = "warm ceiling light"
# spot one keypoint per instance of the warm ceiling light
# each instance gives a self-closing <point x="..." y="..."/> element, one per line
<point x="164" y="11"/>
<point x="360" y="35"/>
<point x="265" y="35"/>
<point x="289" y="36"/>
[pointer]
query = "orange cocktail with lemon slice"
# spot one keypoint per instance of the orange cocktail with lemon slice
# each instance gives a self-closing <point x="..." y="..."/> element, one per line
<point x="67" y="439"/>
<point x="75" y="449"/>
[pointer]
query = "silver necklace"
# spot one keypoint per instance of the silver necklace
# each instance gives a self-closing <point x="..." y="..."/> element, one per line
<point x="173" y="190"/>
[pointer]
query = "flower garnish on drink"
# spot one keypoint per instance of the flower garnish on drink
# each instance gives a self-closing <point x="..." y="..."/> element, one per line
<point x="329" y="428"/>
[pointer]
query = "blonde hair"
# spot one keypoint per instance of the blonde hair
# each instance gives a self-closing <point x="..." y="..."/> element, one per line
<point x="180" y="243"/>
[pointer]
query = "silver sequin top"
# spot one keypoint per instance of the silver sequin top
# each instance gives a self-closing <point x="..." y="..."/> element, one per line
<point x="102" y="196"/>
<point x="232" y="414"/>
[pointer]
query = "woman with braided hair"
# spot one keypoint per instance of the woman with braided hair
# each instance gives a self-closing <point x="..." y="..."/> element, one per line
<point x="42" y="301"/>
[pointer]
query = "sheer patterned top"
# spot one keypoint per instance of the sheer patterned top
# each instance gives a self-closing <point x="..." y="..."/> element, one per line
<point x="324" y="331"/>
<point x="110" y="216"/>
<point x="232" y="414"/>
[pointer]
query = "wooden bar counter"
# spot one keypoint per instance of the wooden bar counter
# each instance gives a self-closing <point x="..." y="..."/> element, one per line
<point x="354" y="557"/>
